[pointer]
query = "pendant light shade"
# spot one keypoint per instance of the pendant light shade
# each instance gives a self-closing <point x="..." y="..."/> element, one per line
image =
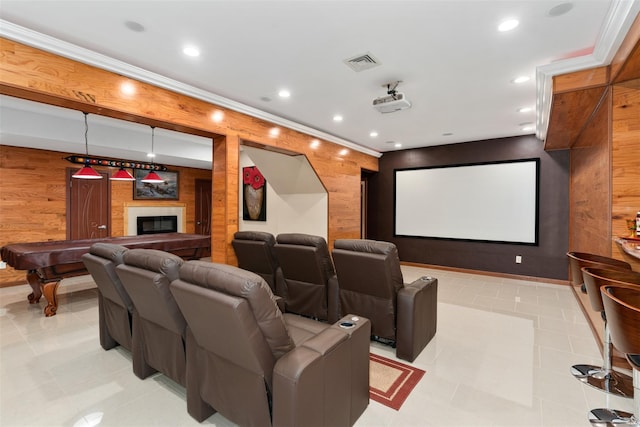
<point x="152" y="177"/>
<point x="87" y="172"/>
<point x="122" y="175"/>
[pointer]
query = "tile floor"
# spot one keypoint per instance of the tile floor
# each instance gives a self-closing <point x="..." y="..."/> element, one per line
<point x="501" y="357"/>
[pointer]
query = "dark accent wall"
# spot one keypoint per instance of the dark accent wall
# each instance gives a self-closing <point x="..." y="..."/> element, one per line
<point x="547" y="260"/>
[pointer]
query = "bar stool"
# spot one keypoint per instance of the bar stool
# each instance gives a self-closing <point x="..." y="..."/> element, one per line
<point x="577" y="260"/>
<point x="622" y="307"/>
<point x="605" y="377"/>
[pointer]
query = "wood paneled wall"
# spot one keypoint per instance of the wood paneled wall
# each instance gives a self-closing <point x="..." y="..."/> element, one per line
<point x="33" y="198"/>
<point x="33" y="74"/>
<point x="590" y="176"/>
<point x="625" y="162"/>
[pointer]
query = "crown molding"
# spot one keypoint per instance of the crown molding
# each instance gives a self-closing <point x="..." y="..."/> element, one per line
<point x="619" y="19"/>
<point x="50" y="44"/>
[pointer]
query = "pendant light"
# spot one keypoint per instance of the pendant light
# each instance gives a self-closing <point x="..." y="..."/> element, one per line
<point x="152" y="177"/>
<point x="87" y="172"/>
<point x="122" y="175"/>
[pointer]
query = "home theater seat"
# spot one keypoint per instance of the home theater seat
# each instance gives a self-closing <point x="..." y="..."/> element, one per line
<point x="307" y="269"/>
<point x="158" y="324"/>
<point x="370" y="284"/>
<point x="257" y="366"/>
<point x="255" y="252"/>
<point x="114" y="304"/>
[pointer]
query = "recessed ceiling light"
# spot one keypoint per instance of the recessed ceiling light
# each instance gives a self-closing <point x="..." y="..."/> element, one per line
<point x="217" y="116"/>
<point x="315" y="144"/>
<point x="521" y="79"/>
<point x="344" y="152"/>
<point x="524" y="109"/>
<point x="284" y="93"/>
<point x="373" y="134"/>
<point x="151" y="155"/>
<point x="337" y="118"/>
<point x="397" y="145"/>
<point x="191" y="51"/>
<point x="508" y="25"/>
<point x="274" y="132"/>
<point x="127" y="88"/>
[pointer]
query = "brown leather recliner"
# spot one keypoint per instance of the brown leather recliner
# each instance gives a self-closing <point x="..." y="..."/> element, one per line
<point x="114" y="304"/>
<point x="259" y="367"/>
<point x="255" y="252"/>
<point x="370" y="284"/>
<point x="158" y="325"/>
<point x="307" y="268"/>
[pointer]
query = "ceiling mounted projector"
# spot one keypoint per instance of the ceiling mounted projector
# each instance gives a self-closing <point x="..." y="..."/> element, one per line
<point x="394" y="101"/>
<point x="391" y="103"/>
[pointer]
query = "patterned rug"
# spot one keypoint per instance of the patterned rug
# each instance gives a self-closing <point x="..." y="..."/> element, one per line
<point x="390" y="382"/>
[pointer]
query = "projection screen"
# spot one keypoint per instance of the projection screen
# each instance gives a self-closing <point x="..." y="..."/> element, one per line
<point x="494" y="202"/>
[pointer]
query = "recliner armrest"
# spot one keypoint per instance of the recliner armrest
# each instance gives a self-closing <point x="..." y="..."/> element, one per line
<point x="314" y="384"/>
<point x="416" y="317"/>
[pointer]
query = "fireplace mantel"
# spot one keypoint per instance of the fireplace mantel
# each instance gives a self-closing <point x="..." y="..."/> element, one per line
<point x="134" y="209"/>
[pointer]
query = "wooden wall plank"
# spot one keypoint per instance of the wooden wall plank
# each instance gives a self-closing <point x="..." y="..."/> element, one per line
<point x="592" y="77"/>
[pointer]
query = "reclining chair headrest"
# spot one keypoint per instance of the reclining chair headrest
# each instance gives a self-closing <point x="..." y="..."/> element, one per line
<point x="154" y="260"/>
<point x="301" y="239"/>
<point x="363" y="245"/>
<point x="244" y="284"/>
<point x="261" y="236"/>
<point x="109" y="251"/>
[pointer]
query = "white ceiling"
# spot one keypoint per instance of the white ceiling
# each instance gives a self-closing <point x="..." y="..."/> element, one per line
<point x="456" y="68"/>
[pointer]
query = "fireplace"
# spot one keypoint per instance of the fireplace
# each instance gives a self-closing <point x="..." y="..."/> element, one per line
<point x="157" y="224"/>
<point x="134" y="210"/>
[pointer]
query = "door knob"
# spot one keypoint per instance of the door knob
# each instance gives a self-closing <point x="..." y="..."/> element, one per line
<point x="102" y="227"/>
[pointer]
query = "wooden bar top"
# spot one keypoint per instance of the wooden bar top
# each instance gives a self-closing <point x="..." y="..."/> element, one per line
<point x="630" y="246"/>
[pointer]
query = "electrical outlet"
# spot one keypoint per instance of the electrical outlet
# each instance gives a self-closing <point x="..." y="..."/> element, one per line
<point x="518" y="259"/>
<point x="3" y="265"/>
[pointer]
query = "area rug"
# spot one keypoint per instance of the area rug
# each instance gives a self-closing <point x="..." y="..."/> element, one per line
<point x="390" y="382"/>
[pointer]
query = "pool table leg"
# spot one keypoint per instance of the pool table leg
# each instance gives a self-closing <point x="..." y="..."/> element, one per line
<point x="50" y="291"/>
<point x="34" y="281"/>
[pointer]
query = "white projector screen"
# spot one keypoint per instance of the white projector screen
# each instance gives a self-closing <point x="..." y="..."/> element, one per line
<point x="495" y="202"/>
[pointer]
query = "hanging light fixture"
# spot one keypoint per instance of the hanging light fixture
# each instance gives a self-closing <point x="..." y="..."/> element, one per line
<point x="152" y="177"/>
<point x="122" y="175"/>
<point x="87" y="172"/>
